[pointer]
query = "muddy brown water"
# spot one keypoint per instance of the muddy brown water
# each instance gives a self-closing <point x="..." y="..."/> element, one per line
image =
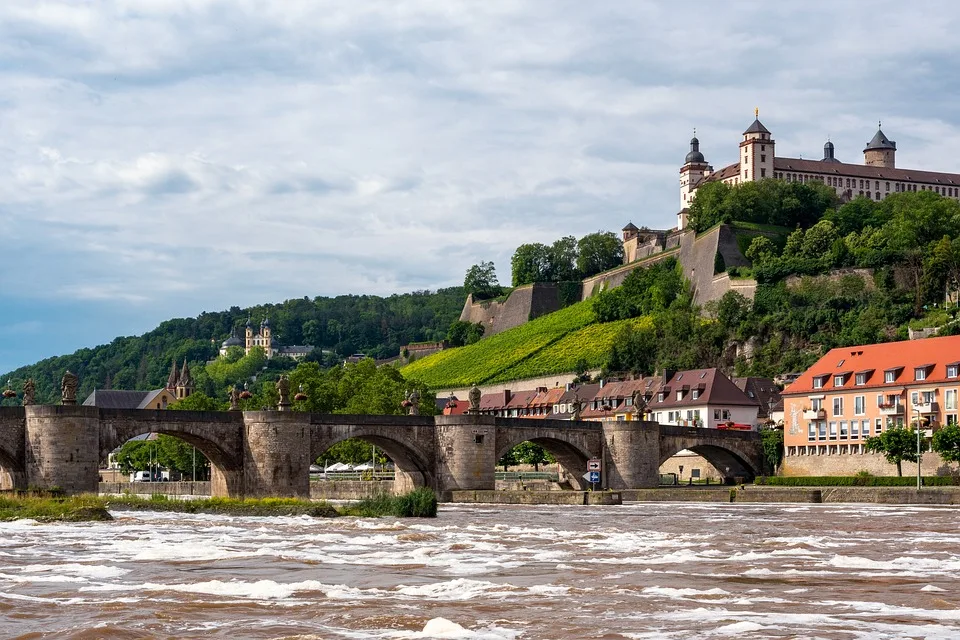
<point x="492" y="572"/>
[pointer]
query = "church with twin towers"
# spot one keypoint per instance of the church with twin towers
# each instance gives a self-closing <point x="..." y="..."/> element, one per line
<point x="876" y="178"/>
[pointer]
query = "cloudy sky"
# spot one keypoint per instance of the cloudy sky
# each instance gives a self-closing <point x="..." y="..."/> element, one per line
<point x="159" y="158"/>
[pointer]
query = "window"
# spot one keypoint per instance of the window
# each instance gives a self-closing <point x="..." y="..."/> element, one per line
<point x="478" y="438"/>
<point x="822" y="430"/>
<point x="887" y="185"/>
<point x="811" y="431"/>
<point x="920" y="373"/>
<point x="855" y="429"/>
<point x="952" y="418"/>
<point x="833" y="430"/>
<point x="818" y="382"/>
<point x="816" y="404"/>
<point x="889" y="376"/>
<point x="838" y="406"/>
<point x="879" y="424"/>
<point x="861" y="379"/>
<point x="660" y="397"/>
<point x="950" y="399"/>
<point x="866" y="428"/>
<point x="763" y="173"/>
<point x="860" y="405"/>
<point x="763" y="158"/>
<point x="952" y="370"/>
<point x="679" y="396"/>
<point x="696" y="394"/>
<point x="839" y="380"/>
<point x="876" y="185"/>
<point x="716" y="414"/>
<point x="843" y="430"/>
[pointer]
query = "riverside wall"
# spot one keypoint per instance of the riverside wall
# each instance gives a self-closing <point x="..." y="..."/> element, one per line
<point x="151" y="488"/>
<point x="873" y="463"/>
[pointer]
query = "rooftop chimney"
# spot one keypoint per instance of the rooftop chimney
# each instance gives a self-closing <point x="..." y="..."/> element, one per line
<point x="506" y="397"/>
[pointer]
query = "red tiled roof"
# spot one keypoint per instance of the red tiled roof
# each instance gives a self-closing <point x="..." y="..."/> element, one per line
<point x="880" y="358"/>
<point x="717" y="389"/>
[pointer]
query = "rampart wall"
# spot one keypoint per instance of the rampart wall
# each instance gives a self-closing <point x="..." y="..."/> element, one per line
<point x="523" y="304"/>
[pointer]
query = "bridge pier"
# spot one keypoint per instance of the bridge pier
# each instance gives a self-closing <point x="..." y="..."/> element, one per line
<point x="276" y="454"/>
<point x="632" y="455"/>
<point x="62" y="448"/>
<point x="466" y="453"/>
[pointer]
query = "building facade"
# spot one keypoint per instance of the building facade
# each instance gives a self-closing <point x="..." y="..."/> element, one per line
<point x="853" y="393"/>
<point x="877" y="178"/>
<point x="263" y="338"/>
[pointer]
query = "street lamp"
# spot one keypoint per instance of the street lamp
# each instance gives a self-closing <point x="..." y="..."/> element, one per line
<point x="917" y="407"/>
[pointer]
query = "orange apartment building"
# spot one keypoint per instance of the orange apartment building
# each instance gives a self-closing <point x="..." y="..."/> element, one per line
<point x="853" y="393"/>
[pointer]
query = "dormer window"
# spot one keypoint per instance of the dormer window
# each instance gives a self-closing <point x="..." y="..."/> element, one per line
<point x="660" y="397"/>
<point x="890" y="375"/>
<point x="953" y="370"/>
<point x="838" y="380"/>
<point x="696" y="394"/>
<point x="679" y="396"/>
<point x="818" y="382"/>
<point x="861" y="379"/>
<point x="920" y="373"/>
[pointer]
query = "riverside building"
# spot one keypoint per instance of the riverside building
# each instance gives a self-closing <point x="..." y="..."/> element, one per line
<point x="853" y="393"/>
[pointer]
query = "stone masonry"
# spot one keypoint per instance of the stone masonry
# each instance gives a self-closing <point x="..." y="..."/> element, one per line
<point x="268" y="453"/>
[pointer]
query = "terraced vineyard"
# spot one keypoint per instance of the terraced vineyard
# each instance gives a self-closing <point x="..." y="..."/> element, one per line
<point x="550" y="344"/>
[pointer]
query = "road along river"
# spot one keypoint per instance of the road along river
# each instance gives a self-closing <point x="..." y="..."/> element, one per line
<point x="492" y="572"/>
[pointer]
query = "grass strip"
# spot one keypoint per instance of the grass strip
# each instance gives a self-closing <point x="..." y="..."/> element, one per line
<point x="47" y="507"/>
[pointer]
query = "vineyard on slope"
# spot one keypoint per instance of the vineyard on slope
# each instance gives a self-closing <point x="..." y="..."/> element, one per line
<point x="550" y="344"/>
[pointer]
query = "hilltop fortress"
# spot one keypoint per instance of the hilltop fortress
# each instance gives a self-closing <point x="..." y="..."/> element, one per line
<point x="705" y="257"/>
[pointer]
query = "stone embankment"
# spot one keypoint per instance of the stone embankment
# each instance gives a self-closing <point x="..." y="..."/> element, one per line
<point x="538" y="497"/>
<point x="809" y="495"/>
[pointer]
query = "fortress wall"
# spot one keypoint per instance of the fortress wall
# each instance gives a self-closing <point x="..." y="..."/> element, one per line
<point x="524" y="303"/>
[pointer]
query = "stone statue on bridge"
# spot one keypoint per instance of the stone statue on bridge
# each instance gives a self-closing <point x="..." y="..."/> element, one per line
<point x="640" y="404"/>
<point x="577" y="407"/>
<point x="234" y="398"/>
<point x="68" y="388"/>
<point x="413" y="403"/>
<point x="283" y="389"/>
<point x="29" y="392"/>
<point x="474" y="396"/>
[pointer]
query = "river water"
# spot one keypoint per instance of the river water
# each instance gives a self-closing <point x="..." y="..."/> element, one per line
<point x="492" y="572"/>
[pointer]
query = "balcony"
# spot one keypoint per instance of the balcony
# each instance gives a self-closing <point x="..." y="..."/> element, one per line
<point x="925" y="408"/>
<point x="814" y="414"/>
<point x="891" y="409"/>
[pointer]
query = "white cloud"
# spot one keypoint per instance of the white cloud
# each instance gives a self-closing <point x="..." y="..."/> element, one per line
<point x="153" y="151"/>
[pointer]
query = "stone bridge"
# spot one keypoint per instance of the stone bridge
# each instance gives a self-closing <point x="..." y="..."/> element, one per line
<point x="268" y="453"/>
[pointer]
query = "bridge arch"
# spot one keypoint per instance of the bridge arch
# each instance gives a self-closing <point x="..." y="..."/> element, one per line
<point x="730" y="461"/>
<point x="12" y="473"/>
<point x="569" y="448"/>
<point x="412" y="461"/>
<point x="219" y="439"/>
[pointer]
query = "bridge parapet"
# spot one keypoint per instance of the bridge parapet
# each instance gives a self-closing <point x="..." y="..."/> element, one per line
<point x="12" y="429"/>
<point x="62" y="447"/>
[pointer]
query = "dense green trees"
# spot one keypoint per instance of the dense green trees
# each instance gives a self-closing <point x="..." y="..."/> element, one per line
<point x="946" y="442"/>
<point x="772" y="202"/>
<point x="164" y="452"/>
<point x="345" y="324"/>
<point x="566" y="259"/>
<point x="463" y="333"/>
<point x="644" y="291"/>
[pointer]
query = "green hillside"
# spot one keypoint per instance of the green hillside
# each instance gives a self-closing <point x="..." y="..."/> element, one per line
<point x="374" y="325"/>
<point x="555" y="343"/>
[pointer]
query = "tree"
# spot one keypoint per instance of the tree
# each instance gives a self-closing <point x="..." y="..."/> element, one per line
<point x="946" y="442"/>
<point x="563" y="260"/>
<point x="772" y="442"/>
<point x="198" y="401"/>
<point x="598" y="252"/>
<point x="761" y="249"/>
<point x="463" y="333"/>
<point x="530" y="453"/>
<point x="481" y="281"/>
<point x="896" y="444"/>
<point x="530" y="263"/>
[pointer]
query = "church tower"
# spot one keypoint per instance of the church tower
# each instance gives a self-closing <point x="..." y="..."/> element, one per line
<point x="173" y="378"/>
<point x="185" y="383"/>
<point x="880" y="151"/>
<point x="248" y="336"/>
<point x="267" y="338"/>
<point x="692" y="172"/>
<point x="756" y="152"/>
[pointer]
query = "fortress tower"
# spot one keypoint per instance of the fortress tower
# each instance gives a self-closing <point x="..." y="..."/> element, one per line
<point x="756" y="152"/>
<point x="694" y="169"/>
<point x="880" y="151"/>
